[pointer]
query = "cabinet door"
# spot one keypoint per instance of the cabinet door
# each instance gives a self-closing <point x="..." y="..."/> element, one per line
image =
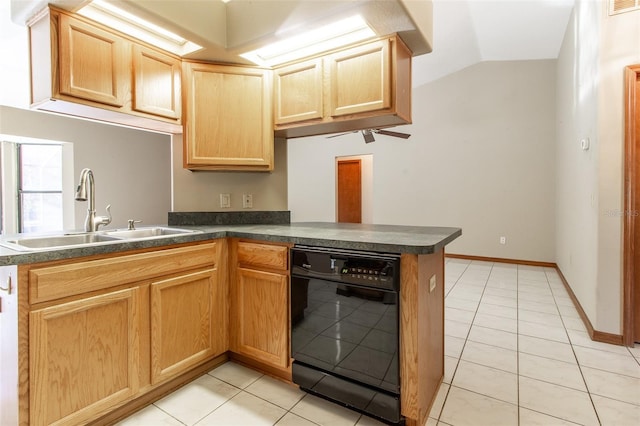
<point x="228" y="117"/>
<point x="188" y="322"/>
<point x="94" y="64"/>
<point x="360" y="79"/>
<point x="261" y="316"/>
<point x="298" y="92"/>
<point x="156" y="81"/>
<point x="83" y="357"/>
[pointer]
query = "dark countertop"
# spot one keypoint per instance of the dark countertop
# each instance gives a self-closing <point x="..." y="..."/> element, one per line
<point x="380" y="238"/>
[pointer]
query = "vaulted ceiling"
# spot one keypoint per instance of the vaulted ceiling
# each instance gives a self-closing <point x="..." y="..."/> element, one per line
<point x="464" y="31"/>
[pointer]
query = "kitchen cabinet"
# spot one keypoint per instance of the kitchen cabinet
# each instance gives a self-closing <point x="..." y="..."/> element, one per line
<point x="259" y="313"/>
<point x="81" y="68"/>
<point x="101" y="332"/>
<point x="84" y="356"/>
<point x="298" y="94"/>
<point x="156" y="83"/>
<point x="364" y="86"/>
<point x="188" y="322"/>
<point x="228" y="117"/>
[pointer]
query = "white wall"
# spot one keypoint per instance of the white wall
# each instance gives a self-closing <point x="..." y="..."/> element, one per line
<point x="595" y="51"/>
<point x="481" y="157"/>
<point x="200" y="191"/>
<point x="131" y="167"/>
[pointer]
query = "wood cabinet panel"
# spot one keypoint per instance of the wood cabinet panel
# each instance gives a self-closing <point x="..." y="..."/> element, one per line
<point x="94" y="64"/>
<point x="156" y="81"/>
<point x="84" y="69"/>
<point x="83" y="357"/>
<point x="360" y="79"/>
<point x="263" y="255"/>
<point x="262" y="326"/>
<point x="183" y="317"/>
<point x="298" y="92"/>
<point x="228" y="118"/>
<point x="53" y="282"/>
<point x="367" y="86"/>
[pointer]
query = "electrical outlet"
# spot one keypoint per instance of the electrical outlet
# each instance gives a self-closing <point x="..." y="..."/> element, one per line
<point x="247" y="201"/>
<point x="225" y="201"/>
<point x="503" y="240"/>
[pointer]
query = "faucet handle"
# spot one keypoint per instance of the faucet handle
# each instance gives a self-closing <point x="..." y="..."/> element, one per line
<point x="131" y="224"/>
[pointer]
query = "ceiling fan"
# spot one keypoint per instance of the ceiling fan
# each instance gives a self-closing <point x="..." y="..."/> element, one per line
<point x="367" y="134"/>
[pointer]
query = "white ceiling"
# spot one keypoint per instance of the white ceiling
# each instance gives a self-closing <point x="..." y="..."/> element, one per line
<point x="464" y="31"/>
<point x="470" y="31"/>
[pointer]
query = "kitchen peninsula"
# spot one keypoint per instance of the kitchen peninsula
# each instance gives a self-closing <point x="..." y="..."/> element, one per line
<point x="92" y="333"/>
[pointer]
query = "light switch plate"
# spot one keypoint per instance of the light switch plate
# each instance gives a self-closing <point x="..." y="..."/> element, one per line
<point x="247" y="201"/>
<point x="225" y="201"/>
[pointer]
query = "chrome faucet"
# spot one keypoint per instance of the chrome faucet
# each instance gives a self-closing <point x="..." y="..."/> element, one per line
<point x="86" y="190"/>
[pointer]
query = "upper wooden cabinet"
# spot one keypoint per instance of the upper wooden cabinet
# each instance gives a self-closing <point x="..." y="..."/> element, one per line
<point x="228" y="117"/>
<point x="365" y="86"/>
<point x="156" y="83"/>
<point x="81" y="68"/>
<point x="298" y="94"/>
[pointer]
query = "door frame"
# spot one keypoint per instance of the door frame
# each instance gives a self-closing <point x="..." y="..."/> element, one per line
<point x="631" y="204"/>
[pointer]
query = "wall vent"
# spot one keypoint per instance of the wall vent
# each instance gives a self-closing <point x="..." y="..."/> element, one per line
<point x="621" y="6"/>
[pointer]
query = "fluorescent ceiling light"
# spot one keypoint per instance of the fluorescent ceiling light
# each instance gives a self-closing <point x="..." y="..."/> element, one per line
<point x="130" y="24"/>
<point x="335" y="35"/>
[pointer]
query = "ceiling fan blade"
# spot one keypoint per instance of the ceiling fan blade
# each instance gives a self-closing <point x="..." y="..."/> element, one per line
<point x="339" y="134"/>
<point x="394" y="134"/>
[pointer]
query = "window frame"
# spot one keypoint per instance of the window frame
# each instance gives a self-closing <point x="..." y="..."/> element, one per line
<point x="10" y="182"/>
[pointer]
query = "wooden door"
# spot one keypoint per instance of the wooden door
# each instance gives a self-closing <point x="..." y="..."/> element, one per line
<point x="349" y="191"/>
<point x="94" y="64"/>
<point x="156" y="81"/>
<point x="261" y="311"/>
<point x="228" y="115"/>
<point x="631" y="255"/>
<point x="360" y="79"/>
<point x="298" y="92"/>
<point x="83" y="357"/>
<point x="184" y="323"/>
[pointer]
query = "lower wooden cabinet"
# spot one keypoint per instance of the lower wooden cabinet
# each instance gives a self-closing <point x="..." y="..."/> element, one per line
<point x="143" y="320"/>
<point x="260" y="302"/>
<point x="83" y="357"/>
<point x="188" y="322"/>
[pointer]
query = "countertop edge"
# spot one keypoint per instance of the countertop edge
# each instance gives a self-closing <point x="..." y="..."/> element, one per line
<point x="9" y="257"/>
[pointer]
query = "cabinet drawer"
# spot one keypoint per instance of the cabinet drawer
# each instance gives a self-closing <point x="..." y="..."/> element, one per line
<point x="263" y="255"/>
<point x="54" y="282"/>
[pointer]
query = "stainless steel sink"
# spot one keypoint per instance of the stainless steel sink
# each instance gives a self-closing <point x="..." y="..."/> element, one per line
<point x="148" y="232"/>
<point x="55" y="241"/>
<point x="62" y="241"/>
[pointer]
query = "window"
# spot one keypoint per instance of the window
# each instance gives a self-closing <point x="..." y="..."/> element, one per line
<point x="36" y="185"/>
<point x="39" y="187"/>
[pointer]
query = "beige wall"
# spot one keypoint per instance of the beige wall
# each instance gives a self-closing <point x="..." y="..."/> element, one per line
<point x="481" y="157"/>
<point x="595" y="51"/>
<point x="131" y="167"/>
<point x="200" y="191"/>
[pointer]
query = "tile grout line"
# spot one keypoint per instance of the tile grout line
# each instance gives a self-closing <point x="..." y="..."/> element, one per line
<point x="573" y="350"/>
<point x="458" y="362"/>
<point x="467" y="336"/>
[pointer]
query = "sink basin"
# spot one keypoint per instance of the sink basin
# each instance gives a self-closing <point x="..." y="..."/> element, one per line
<point x="61" y="241"/>
<point x="147" y="232"/>
<point x="55" y="241"/>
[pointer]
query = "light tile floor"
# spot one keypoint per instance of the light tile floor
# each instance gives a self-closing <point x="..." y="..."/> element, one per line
<point x="516" y="353"/>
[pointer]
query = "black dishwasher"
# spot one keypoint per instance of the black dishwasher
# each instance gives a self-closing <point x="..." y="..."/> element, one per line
<point x="344" y="328"/>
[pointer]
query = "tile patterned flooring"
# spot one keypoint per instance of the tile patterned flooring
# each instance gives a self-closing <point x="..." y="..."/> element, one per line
<point x="516" y="353"/>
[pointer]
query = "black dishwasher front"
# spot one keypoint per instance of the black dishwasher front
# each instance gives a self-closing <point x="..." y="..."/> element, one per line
<point x="345" y="328"/>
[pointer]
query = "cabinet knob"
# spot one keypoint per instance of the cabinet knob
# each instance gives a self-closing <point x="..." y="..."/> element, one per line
<point x="8" y="287"/>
